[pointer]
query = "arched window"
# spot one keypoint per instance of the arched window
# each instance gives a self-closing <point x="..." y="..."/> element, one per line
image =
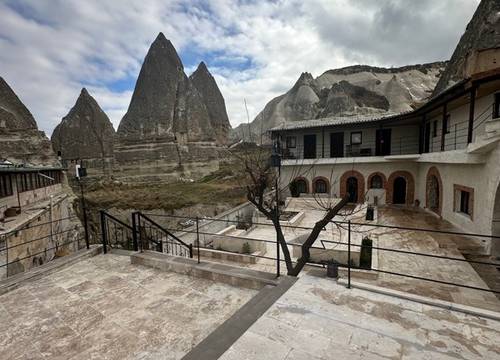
<point x="320" y="186"/>
<point x="298" y="186"/>
<point x="376" y="182"/>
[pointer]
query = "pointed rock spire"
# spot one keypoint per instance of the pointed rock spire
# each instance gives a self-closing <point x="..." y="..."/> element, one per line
<point x="206" y="85"/>
<point x="85" y="133"/>
<point x="166" y="105"/>
<point x="20" y="140"/>
<point x="13" y="113"/>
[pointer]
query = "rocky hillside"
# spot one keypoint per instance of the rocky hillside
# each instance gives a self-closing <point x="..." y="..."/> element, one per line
<point x="482" y="32"/>
<point x="168" y="105"/>
<point x="85" y="133"/>
<point x="347" y="91"/>
<point x="20" y="140"/>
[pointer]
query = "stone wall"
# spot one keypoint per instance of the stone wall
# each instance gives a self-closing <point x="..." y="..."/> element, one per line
<point x="46" y="234"/>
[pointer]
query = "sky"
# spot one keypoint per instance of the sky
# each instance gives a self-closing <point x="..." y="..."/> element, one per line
<point x="256" y="50"/>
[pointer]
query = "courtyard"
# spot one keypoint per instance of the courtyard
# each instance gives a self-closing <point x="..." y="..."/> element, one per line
<point x="423" y="242"/>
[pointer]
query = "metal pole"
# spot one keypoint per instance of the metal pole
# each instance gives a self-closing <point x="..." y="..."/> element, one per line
<point x="134" y="231"/>
<point x="349" y="254"/>
<point x="85" y="222"/>
<point x="103" y="231"/>
<point x="278" y="215"/>
<point x="198" y="239"/>
<point x="455" y="136"/>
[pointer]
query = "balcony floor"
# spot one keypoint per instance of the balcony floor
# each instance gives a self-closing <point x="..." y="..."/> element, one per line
<point x="107" y="308"/>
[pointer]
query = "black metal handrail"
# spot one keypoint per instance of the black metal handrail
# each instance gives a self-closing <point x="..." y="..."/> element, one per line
<point x="173" y="245"/>
<point x="120" y="228"/>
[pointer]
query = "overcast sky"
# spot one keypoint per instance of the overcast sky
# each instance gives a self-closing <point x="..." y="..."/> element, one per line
<point x="50" y="49"/>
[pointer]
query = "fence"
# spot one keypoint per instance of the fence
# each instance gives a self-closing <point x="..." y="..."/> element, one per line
<point x="32" y="245"/>
<point x="345" y="247"/>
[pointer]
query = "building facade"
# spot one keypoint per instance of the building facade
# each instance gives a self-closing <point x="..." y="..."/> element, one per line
<point x="444" y="156"/>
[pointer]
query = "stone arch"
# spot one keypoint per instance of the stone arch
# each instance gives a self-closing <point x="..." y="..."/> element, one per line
<point x="305" y="181"/>
<point x="372" y="175"/>
<point x="320" y="178"/>
<point x="361" y="184"/>
<point x="434" y="191"/>
<point x="410" y="186"/>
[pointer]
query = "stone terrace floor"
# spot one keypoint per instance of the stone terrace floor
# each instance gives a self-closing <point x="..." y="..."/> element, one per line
<point x="319" y="319"/>
<point x="106" y="308"/>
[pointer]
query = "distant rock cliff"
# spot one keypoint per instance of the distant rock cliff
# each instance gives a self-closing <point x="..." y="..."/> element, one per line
<point x="348" y="91"/>
<point x="20" y="140"/>
<point x="85" y="133"/>
<point x="482" y="32"/>
<point x="168" y="105"/>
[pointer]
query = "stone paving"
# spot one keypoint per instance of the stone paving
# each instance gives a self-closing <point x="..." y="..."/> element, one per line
<point x="319" y="319"/>
<point x="106" y="308"/>
<point x="439" y="269"/>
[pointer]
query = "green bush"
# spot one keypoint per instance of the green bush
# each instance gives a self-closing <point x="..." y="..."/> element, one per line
<point x="365" y="257"/>
<point x="245" y="249"/>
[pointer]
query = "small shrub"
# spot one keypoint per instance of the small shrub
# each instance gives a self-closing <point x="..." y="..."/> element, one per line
<point x="245" y="249"/>
<point x="365" y="257"/>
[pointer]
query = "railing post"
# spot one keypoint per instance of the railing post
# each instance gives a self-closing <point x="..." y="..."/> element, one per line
<point x="349" y="254"/>
<point x="103" y="231"/>
<point x="197" y="240"/>
<point x="455" y="136"/>
<point x="139" y="232"/>
<point x="85" y="222"/>
<point x="134" y="231"/>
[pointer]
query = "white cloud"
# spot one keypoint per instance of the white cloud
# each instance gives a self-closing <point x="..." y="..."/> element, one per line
<point x="49" y="49"/>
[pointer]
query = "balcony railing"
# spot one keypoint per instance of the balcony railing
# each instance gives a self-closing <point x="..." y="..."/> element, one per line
<point x="401" y="146"/>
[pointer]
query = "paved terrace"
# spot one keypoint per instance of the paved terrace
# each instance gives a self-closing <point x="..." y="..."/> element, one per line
<point x="318" y="319"/>
<point x="106" y="308"/>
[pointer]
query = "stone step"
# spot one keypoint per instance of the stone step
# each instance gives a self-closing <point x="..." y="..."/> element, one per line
<point x="233" y="275"/>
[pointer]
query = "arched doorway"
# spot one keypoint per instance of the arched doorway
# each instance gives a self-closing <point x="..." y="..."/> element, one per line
<point x="401" y="188"/>
<point x="434" y="191"/>
<point x="352" y="189"/>
<point x="495" y="226"/>
<point x="399" y="192"/>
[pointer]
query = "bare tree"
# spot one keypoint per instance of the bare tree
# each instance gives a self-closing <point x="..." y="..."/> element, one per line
<point x="261" y="180"/>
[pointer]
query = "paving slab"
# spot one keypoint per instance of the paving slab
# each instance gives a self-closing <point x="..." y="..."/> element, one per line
<point x="107" y="308"/>
<point x="320" y="319"/>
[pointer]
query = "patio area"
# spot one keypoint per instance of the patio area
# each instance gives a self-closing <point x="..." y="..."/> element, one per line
<point x="106" y="308"/>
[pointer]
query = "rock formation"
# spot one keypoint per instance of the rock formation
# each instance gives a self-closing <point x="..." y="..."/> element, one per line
<point x="174" y="124"/>
<point x="20" y="140"/>
<point x="165" y="104"/>
<point x="86" y="133"/>
<point x="477" y="48"/>
<point x="205" y="83"/>
<point x="348" y="91"/>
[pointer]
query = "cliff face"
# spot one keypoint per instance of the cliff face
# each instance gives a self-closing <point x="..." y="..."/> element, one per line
<point x="85" y="133"/>
<point x="205" y="83"/>
<point x="482" y="32"/>
<point x="347" y="91"/>
<point x="167" y="105"/>
<point x="20" y="140"/>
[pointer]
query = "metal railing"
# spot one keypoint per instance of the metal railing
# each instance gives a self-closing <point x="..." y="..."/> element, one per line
<point x="143" y="234"/>
<point x="349" y="228"/>
<point x="32" y="245"/>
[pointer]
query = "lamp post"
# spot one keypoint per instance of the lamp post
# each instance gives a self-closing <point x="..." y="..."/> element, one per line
<point x="276" y="163"/>
<point x="80" y="173"/>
